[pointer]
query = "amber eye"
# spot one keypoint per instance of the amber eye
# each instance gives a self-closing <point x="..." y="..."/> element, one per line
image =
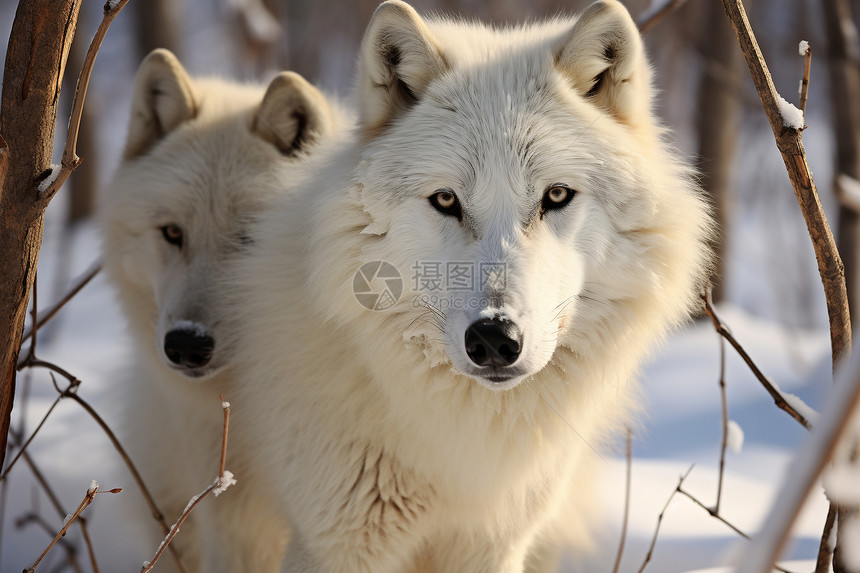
<point x="446" y="203"/>
<point x="556" y="197"/>
<point x="172" y="233"/>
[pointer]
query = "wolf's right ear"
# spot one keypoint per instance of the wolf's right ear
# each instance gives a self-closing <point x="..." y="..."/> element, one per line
<point x="163" y="99"/>
<point x="293" y="113"/>
<point x="399" y="58"/>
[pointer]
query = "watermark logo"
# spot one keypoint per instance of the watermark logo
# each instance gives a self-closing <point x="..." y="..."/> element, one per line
<point x="377" y="285"/>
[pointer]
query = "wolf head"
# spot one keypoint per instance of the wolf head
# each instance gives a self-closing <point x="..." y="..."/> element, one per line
<point x="201" y="158"/>
<point x="518" y="178"/>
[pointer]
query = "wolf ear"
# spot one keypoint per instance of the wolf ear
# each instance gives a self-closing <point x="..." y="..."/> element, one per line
<point x="163" y="99"/>
<point x="399" y="58"/>
<point x="604" y="59"/>
<point x="293" y="113"/>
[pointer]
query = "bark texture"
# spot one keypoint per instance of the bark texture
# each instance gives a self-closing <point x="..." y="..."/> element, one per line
<point x="35" y="60"/>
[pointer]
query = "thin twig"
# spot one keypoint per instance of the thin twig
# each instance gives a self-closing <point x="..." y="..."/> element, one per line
<point x="660" y="520"/>
<point x="651" y="18"/>
<point x="70" y="159"/>
<point x="23" y="448"/>
<point x="221" y="483"/>
<point x="88" y="499"/>
<point x="629" y="458"/>
<point x="49" y="313"/>
<point x="804" y="83"/>
<point x="725" y="420"/>
<point x="70" y="548"/>
<point x="71" y="392"/>
<point x="778" y="399"/>
<point x="55" y="502"/>
<point x="712" y="512"/>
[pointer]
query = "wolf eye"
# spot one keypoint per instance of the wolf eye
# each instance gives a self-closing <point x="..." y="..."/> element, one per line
<point x="556" y="197"/>
<point x="172" y="233"/>
<point x="446" y="203"/>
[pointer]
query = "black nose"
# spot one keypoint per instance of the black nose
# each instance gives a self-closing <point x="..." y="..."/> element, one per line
<point x="188" y="348"/>
<point x="493" y="342"/>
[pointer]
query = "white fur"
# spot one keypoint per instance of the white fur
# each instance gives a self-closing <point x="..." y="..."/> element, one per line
<point x="206" y="155"/>
<point x="388" y="450"/>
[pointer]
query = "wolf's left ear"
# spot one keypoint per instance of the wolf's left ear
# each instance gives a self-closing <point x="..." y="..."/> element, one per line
<point x="163" y="100"/>
<point x="292" y="115"/>
<point x="399" y="58"/>
<point x="604" y="59"/>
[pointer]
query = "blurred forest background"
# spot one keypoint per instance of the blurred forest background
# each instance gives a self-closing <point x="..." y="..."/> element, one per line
<point x="705" y="97"/>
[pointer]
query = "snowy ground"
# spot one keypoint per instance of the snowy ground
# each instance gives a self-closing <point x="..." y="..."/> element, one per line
<point x="683" y="428"/>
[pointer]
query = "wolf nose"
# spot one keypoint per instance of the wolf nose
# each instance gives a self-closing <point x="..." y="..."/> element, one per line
<point x="493" y="342"/>
<point x="189" y="348"/>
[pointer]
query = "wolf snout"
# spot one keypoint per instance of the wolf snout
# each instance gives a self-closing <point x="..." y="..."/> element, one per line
<point x="494" y="342"/>
<point x="188" y="348"/>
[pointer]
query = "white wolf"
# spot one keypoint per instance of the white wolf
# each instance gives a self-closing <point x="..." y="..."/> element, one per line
<point x="450" y="431"/>
<point x="203" y="157"/>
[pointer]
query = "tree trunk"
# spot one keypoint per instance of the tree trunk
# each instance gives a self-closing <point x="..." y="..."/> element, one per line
<point x="156" y="26"/>
<point x="719" y="112"/>
<point x="84" y="180"/>
<point x="35" y="60"/>
<point x="843" y="59"/>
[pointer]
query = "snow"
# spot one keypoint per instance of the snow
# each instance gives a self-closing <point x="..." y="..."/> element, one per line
<point x="223" y="481"/>
<point x="803" y="47"/>
<point x="50" y="178"/>
<point x="791" y="116"/>
<point x="735" y="437"/>
<point x="225" y="404"/>
<point x="94" y="486"/>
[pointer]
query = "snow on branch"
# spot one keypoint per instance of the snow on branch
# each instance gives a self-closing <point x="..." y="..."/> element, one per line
<point x="222" y="481"/>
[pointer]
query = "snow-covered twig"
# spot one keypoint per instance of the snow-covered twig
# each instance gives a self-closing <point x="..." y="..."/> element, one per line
<point x="804" y="470"/>
<point x="629" y="458"/>
<point x="223" y="481"/>
<point x="790" y="144"/>
<point x="778" y="398"/>
<point x="805" y="50"/>
<point x="88" y="499"/>
<point x="655" y="13"/>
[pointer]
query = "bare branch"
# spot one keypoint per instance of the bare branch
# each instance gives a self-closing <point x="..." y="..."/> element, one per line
<point x="221" y="483"/>
<point x="70" y="159"/>
<point x="778" y="399"/>
<point x="660" y="520"/>
<point x="790" y="144"/>
<point x="49" y="313"/>
<point x="88" y="499"/>
<point x="725" y="419"/>
<point x="71" y="392"/>
<point x="629" y="458"/>
<point x="805" y="470"/>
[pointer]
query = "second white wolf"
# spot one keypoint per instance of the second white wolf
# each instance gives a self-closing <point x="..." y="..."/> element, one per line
<point x="202" y="159"/>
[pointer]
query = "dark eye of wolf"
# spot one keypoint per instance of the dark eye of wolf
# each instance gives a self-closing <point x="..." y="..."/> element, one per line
<point x="556" y="197"/>
<point x="446" y="202"/>
<point x="172" y="233"/>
